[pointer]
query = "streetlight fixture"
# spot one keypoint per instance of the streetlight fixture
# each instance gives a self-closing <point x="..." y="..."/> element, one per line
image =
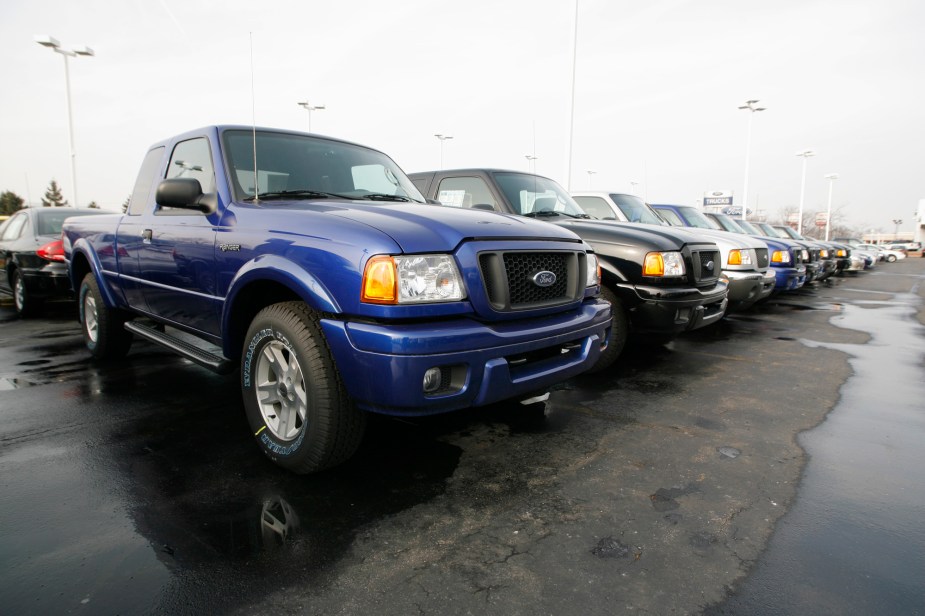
<point x="53" y="44"/>
<point x="831" y="177"/>
<point x="309" y="108"/>
<point x="590" y="173"/>
<point x="633" y="184"/>
<point x="897" y="222"/>
<point x="442" y="138"/>
<point x="531" y="163"/>
<point x="805" y="154"/>
<point x="750" y="105"/>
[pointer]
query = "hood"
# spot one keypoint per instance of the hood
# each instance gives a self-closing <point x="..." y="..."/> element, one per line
<point x="414" y="227"/>
<point x="650" y="237"/>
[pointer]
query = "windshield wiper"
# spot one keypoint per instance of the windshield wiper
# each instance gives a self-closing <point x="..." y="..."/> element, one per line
<point x="297" y="194"/>
<point x="542" y="214"/>
<point x="383" y="197"/>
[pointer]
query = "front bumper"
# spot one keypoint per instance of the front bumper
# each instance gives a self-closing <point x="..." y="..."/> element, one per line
<point x="48" y="282"/>
<point x="746" y="288"/>
<point x="789" y="278"/>
<point x="657" y="310"/>
<point x="383" y="365"/>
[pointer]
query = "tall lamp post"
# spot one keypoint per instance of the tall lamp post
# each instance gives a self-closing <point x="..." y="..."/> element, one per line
<point x="309" y="108"/>
<point x="831" y="177"/>
<point x="53" y="44"/>
<point x="590" y="173"/>
<point x="750" y="105"/>
<point x="805" y="154"/>
<point x="442" y="138"/>
<point x="896" y="222"/>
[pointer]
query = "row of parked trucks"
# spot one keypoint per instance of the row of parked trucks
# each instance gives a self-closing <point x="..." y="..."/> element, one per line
<point x="337" y="286"/>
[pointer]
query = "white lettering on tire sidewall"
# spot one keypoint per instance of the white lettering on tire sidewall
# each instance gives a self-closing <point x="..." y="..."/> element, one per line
<point x="272" y="446"/>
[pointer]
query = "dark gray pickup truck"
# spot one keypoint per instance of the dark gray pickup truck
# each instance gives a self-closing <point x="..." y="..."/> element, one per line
<point x="659" y="281"/>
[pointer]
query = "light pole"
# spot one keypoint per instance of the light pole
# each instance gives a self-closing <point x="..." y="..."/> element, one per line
<point x="750" y="105"/>
<point x="309" y="108"/>
<point x="633" y="186"/>
<point x="442" y="138"/>
<point x="831" y="177"/>
<point x="590" y="173"/>
<point x="53" y="44"/>
<point x="805" y="154"/>
<point x="531" y="164"/>
<point x="897" y="222"/>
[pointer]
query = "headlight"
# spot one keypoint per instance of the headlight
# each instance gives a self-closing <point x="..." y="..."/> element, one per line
<point x="780" y="256"/>
<point x="842" y="253"/>
<point x="823" y="254"/>
<point x="663" y="264"/>
<point x="805" y="256"/>
<point x="411" y="280"/>
<point x="740" y="257"/>
<point x="594" y="271"/>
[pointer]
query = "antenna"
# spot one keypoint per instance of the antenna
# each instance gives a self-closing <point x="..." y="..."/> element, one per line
<point x="254" y="123"/>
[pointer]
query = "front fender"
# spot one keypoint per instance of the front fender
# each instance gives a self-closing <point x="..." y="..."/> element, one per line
<point x="277" y="269"/>
<point x="82" y="251"/>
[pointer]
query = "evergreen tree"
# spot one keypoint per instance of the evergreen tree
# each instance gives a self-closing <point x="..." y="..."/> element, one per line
<point x="10" y="202"/>
<point x="53" y="196"/>
<point x="94" y="205"/>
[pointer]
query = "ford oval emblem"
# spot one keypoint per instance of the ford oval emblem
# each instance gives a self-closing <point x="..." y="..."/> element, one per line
<point x="544" y="279"/>
<point x="709" y="266"/>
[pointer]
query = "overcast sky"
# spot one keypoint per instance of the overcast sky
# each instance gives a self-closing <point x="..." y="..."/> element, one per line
<point x="657" y="88"/>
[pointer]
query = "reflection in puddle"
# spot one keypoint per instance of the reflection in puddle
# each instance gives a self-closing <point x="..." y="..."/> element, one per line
<point x="854" y="542"/>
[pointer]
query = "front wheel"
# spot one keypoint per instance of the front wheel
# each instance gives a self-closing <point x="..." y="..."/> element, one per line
<point x="619" y="329"/>
<point x="103" y="327"/>
<point x="891" y="258"/>
<point x="295" y="402"/>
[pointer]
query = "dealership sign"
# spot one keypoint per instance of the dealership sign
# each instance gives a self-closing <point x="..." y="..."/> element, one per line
<point x="822" y="218"/>
<point x="717" y="198"/>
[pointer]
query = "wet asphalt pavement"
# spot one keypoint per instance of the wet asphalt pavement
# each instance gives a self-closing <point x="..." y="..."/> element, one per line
<point x="677" y="482"/>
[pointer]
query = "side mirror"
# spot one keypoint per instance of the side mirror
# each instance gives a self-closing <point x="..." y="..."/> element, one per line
<point x="484" y="206"/>
<point x="184" y="193"/>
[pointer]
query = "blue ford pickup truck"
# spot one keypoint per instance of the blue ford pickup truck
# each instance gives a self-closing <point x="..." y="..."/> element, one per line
<point x="315" y="268"/>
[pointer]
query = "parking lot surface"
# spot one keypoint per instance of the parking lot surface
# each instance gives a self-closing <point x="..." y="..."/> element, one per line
<point x="768" y="464"/>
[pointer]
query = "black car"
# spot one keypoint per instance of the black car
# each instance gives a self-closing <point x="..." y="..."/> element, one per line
<point x="32" y="267"/>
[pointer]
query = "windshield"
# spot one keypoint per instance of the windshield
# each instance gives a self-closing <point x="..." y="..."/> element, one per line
<point x="727" y="223"/>
<point x="770" y="231"/>
<point x="696" y="219"/>
<point x="749" y="227"/>
<point x="788" y="231"/>
<point x="295" y="166"/>
<point x="532" y="195"/>
<point x="637" y="210"/>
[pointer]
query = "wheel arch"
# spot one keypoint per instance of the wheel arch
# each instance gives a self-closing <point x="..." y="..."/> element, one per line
<point x="264" y="282"/>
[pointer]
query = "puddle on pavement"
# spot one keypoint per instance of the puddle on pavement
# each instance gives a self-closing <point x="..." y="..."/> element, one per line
<point x="854" y="542"/>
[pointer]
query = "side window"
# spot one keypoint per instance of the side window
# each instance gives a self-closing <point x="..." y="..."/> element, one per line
<point x="595" y="206"/>
<point x="191" y="159"/>
<point x="14" y="227"/>
<point x="142" y="191"/>
<point x="466" y="192"/>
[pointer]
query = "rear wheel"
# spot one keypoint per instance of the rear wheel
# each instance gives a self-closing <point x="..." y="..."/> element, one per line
<point x="891" y="258"/>
<point x="619" y="329"/>
<point x="103" y="327"/>
<point x="295" y="401"/>
<point x="25" y="304"/>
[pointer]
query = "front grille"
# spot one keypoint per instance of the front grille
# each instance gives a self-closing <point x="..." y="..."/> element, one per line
<point x="706" y="264"/>
<point x="762" y="255"/>
<point x="797" y="256"/>
<point x="509" y="278"/>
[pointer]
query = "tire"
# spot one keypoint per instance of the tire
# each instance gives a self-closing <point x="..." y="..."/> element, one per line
<point x="295" y="401"/>
<point x="619" y="330"/>
<point x="103" y="327"/>
<point x="891" y="258"/>
<point x="25" y="304"/>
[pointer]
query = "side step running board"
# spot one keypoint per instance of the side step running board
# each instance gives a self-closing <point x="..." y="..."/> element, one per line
<point x="191" y="352"/>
